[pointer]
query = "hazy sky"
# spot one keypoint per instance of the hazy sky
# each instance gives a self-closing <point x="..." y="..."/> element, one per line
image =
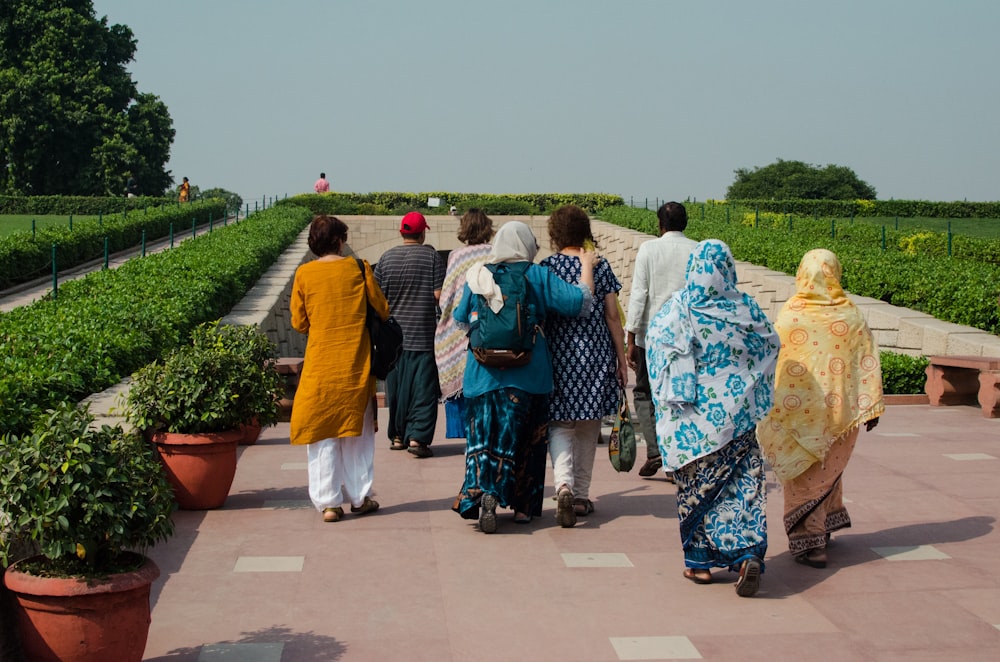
<point x="638" y="98"/>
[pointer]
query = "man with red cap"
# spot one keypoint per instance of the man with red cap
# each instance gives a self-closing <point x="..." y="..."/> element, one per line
<point x="411" y="276"/>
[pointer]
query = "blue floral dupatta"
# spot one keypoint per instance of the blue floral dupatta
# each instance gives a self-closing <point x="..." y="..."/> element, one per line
<point x="711" y="354"/>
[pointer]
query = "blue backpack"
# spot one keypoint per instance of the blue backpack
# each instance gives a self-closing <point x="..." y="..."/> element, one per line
<point x="505" y="339"/>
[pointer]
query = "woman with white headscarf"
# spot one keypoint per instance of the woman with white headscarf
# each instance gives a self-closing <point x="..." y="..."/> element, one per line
<point x="711" y="355"/>
<point x="507" y="408"/>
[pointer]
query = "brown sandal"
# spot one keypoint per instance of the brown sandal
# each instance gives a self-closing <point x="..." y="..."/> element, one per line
<point x="698" y="576"/>
<point x="397" y="445"/>
<point x="333" y="514"/>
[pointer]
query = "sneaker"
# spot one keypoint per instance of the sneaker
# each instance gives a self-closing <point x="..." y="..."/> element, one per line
<point x="565" y="514"/>
<point x="488" y="514"/>
<point x="749" y="581"/>
<point x="651" y="466"/>
<point x="369" y="505"/>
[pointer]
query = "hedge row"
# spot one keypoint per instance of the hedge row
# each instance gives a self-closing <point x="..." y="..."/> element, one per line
<point x="64" y="205"/>
<point x="883" y="208"/>
<point x="378" y="204"/>
<point x="963" y="291"/>
<point x="24" y="257"/>
<point x="112" y="322"/>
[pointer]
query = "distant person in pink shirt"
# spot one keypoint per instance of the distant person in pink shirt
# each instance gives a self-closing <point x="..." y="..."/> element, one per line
<point x="321" y="185"/>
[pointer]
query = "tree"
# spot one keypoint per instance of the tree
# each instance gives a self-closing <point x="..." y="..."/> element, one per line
<point x="792" y="180"/>
<point x="233" y="200"/>
<point x="71" y="118"/>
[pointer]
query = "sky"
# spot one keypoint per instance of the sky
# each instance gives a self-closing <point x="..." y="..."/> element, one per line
<point x="640" y="98"/>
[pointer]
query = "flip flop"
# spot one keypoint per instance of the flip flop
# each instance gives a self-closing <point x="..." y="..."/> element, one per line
<point x="691" y="574"/>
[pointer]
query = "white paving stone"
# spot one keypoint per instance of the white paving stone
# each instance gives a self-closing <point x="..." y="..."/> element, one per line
<point x="965" y="457"/>
<point x="911" y="553"/>
<point x="269" y="564"/>
<point x="655" y="648"/>
<point x="241" y="653"/>
<point x="607" y="560"/>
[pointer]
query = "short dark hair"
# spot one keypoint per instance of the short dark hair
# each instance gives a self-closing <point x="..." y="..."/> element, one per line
<point x="673" y="217"/>
<point x="475" y="227"/>
<point x="322" y="175"/>
<point x="569" y="226"/>
<point x="327" y="235"/>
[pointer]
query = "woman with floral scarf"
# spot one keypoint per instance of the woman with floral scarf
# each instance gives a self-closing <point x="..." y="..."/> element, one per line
<point x="828" y="383"/>
<point x="711" y="354"/>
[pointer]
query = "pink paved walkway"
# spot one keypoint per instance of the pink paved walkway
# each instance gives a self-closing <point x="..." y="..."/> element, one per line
<point x="264" y="579"/>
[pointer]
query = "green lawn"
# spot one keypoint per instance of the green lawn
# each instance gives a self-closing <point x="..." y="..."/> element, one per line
<point x="985" y="228"/>
<point x="11" y="223"/>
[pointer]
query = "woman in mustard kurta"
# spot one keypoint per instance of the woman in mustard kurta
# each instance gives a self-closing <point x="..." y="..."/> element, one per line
<point x="334" y="410"/>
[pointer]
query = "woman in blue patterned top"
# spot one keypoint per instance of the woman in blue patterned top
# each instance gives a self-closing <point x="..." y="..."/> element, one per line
<point x="711" y="354"/>
<point x="588" y="366"/>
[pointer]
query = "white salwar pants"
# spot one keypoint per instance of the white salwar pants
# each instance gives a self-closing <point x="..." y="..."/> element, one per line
<point x="572" y="445"/>
<point x="343" y="469"/>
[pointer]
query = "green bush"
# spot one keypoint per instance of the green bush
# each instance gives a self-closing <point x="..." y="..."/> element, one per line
<point x="397" y="204"/>
<point x="902" y="374"/>
<point x="64" y="205"/>
<point x="111" y="323"/>
<point x="24" y="257"/>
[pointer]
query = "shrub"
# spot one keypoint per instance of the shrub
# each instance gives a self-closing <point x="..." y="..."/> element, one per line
<point x="903" y="374"/>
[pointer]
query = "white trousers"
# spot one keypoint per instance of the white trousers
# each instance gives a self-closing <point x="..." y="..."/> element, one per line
<point x="343" y="469"/>
<point x="572" y="445"/>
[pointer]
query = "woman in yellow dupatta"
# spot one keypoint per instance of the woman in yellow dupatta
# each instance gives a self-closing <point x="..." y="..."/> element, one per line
<point x="828" y="382"/>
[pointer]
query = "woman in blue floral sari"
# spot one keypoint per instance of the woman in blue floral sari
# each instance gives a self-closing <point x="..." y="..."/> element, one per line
<point x="711" y="354"/>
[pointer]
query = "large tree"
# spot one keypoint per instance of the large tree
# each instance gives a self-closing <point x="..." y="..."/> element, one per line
<point x="71" y="118"/>
<point x="790" y="180"/>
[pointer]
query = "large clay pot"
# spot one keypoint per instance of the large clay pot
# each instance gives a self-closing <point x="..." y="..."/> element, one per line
<point x="79" y="620"/>
<point x="200" y="467"/>
<point x="250" y="432"/>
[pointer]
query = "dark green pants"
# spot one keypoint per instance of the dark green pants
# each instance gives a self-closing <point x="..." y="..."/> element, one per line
<point x="412" y="392"/>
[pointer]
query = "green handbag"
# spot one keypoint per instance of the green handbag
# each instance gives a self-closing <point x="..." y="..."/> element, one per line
<point x="621" y="446"/>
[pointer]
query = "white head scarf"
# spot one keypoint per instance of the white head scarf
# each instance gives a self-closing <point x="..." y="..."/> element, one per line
<point x="514" y="242"/>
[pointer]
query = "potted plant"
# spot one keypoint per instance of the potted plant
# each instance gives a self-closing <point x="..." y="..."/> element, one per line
<point x="92" y="501"/>
<point x="191" y="406"/>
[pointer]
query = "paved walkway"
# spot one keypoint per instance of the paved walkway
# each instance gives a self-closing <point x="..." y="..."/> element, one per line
<point x="264" y="579"/>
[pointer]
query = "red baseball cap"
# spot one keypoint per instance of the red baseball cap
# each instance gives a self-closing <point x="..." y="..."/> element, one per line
<point x="413" y="223"/>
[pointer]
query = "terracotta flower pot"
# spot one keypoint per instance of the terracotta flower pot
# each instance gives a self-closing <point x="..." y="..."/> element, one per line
<point x="79" y="620"/>
<point x="250" y="432"/>
<point x="200" y="467"/>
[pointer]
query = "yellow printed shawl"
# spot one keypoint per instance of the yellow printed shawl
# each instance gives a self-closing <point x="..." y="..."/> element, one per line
<point x="828" y="379"/>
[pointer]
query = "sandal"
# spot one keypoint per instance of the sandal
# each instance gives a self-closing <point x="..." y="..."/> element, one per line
<point x="583" y="507"/>
<point x="814" y="558"/>
<point x="565" y="513"/>
<point x="522" y="518"/>
<point x="333" y="514"/>
<point x="698" y="576"/>
<point x="369" y="505"/>
<point x="420" y="450"/>
<point x="488" y="514"/>
<point x="749" y="582"/>
<point x="397" y="445"/>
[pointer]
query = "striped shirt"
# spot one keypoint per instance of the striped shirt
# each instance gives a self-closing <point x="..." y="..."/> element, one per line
<point x="409" y="275"/>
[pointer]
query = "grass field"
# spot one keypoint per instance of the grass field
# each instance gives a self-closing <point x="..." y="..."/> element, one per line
<point x="11" y="223"/>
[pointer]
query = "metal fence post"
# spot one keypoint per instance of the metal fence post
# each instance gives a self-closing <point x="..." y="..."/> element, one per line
<point x="55" y="274"/>
<point x="144" y="242"/>
<point x="105" y="252"/>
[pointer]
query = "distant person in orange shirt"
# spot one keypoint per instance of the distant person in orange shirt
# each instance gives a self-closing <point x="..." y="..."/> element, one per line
<point x="321" y="185"/>
<point x="185" y="191"/>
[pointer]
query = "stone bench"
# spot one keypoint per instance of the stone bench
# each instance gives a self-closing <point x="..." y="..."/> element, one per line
<point x="960" y="380"/>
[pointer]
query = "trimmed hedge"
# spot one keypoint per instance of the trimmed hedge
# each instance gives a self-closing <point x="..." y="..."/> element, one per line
<point x="888" y="208"/>
<point x="963" y="291"/>
<point x="64" y="205"/>
<point x="392" y="204"/>
<point x="24" y="257"/>
<point x="109" y="324"/>
<point x="902" y="374"/>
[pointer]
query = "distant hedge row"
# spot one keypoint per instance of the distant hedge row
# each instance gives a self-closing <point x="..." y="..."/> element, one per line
<point x="883" y="208"/>
<point x="110" y="323"/>
<point x="64" y="205"/>
<point x="24" y="257"/>
<point x="510" y="204"/>
<point x="959" y="290"/>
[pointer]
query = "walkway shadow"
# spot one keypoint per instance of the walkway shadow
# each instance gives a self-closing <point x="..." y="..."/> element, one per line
<point x="298" y="646"/>
<point x="846" y="550"/>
